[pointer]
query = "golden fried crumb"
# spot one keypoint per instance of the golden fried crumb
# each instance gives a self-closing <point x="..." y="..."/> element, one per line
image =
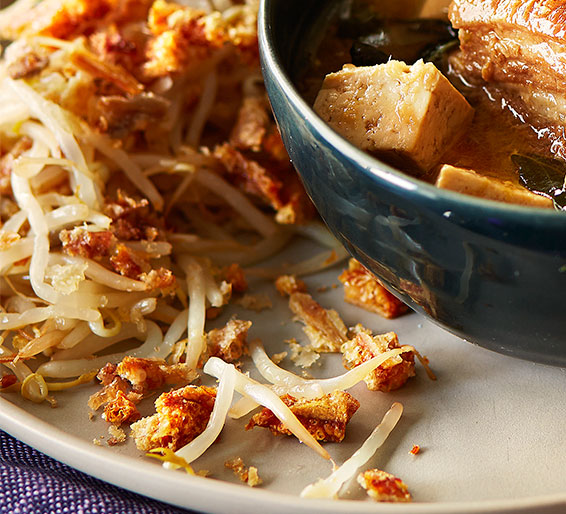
<point x="390" y="375"/>
<point x="278" y="357"/>
<point x="120" y="410"/>
<point x="268" y="176"/>
<point x="235" y="276"/>
<point x="384" y="487"/>
<point x="302" y="356"/>
<point x="415" y="449"/>
<point x="247" y="475"/>
<point x="229" y="342"/>
<point x="150" y="374"/>
<point x="96" y="442"/>
<point x="289" y="284"/>
<point x="324" y="327"/>
<point x="117" y="435"/>
<point x="254" y="302"/>
<point x="363" y="289"/>
<point x="251" y="125"/>
<point x="325" y="417"/>
<point x="185" y="37"/>
<point x="91" y="416"/>
<point x="126" y="384"/>
<point x="181" y="415"/>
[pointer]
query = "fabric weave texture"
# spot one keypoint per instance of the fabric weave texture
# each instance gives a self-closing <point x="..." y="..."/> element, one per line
<point x="33" y="483"/>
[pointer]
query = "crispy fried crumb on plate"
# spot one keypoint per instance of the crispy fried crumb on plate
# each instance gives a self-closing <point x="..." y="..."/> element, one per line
<point x="117" y="435"/>
<point x="302" y="356"/>
<point x="325" y="417"/>
<point x="384" y="487"/>
<point x="415" y="450"/>
<point x="247" y="475"/>
<point x="390" y="375"/>
<point x="363" y="289"/>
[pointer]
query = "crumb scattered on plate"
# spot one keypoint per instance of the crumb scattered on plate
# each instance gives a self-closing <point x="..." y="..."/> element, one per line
<point x="249" y="475"/>
<point x="117" y="435"/>
<point x="384" y="487"/>
<point x="278" y="357"/>
<point x="303" y="356"/>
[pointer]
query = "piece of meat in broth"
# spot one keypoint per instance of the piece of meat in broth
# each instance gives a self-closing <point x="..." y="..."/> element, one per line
<point x="516" y="45"/>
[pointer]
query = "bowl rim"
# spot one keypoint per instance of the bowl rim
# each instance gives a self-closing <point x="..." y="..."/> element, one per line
<point x="377" y="169"/>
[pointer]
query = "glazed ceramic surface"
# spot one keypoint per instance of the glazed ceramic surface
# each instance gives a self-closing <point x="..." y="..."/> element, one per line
<point x="490" y="428"/>
<point x="491" y="273"/>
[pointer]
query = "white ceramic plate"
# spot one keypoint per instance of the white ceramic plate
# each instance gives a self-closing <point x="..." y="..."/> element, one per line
<point x="491" y="431"/>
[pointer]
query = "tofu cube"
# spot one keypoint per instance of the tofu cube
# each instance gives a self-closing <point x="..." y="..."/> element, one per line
<point x="409" y="111"/>
<point x="468" y="182"/>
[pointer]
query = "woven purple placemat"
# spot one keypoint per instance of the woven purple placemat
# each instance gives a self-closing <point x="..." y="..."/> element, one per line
<point x="32" y="483"/>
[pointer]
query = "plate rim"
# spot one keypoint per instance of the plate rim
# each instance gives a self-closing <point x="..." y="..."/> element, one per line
<point x="111" y="467"/>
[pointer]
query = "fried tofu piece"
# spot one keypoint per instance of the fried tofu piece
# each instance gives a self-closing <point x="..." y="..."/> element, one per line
<point x="324" y="327"/>
<point x="390" y="375"/>
<point x="363" y="289"/>
<point x="384" y="487"/>
<point x="325" y="417"/>
<point x="181" y="415"/>
<point x="410" y="113"/>
<point x="469" y="182"/>
<point x="229" y="342"/>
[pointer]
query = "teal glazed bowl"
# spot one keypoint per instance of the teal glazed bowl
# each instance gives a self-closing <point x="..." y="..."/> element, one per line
<point x="493" y="274"/>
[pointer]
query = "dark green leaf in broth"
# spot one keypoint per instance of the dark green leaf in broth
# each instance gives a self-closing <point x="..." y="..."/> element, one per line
<point x="367" y="55"/>
<point x="559" y="200"/>
<point x="542" y="175"/>
<point x="403" y="40"/>
<point x="437" y="54"/>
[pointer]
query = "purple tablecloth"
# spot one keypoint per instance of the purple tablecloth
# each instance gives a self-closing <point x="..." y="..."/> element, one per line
<point x="32" y="483"/>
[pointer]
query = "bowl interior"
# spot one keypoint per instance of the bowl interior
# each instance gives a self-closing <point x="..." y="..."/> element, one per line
<point x="492" y="273"/>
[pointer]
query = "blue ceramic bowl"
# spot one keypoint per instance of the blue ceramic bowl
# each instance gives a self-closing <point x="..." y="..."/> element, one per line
<point x="494" y="274"/>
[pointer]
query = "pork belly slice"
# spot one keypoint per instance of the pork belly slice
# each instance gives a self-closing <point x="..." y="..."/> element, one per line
<point x="400" y="112"/>
<point x="520" y="45"/>
<point x="469" y="182"/>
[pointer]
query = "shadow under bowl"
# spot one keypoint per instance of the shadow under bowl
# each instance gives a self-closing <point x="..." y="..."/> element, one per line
<point x="492" y="273"/>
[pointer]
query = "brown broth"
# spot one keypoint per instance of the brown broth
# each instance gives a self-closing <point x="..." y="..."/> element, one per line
<point x="495" y="134"/>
